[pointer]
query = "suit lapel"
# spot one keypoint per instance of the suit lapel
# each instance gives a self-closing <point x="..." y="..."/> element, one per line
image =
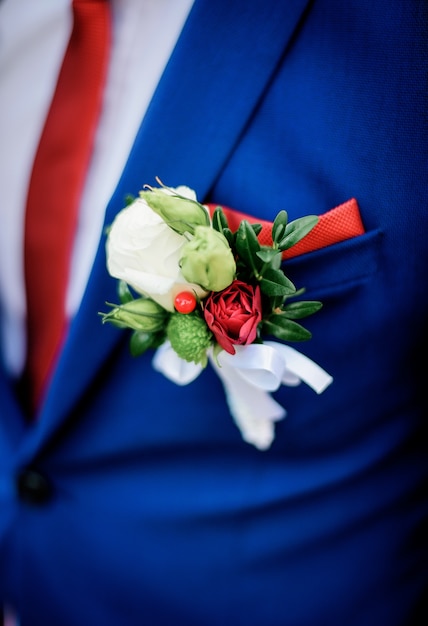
<point x="12" y="424"/>
<point x="223" y="61"/>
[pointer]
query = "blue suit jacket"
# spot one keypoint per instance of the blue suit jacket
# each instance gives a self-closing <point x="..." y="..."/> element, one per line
<point x="154" y="510"/>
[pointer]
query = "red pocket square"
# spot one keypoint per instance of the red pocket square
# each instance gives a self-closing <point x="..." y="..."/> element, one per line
<point x="341" y="223"/>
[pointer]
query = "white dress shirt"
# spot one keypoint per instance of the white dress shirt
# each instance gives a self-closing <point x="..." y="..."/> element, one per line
<point x="33" y="39"/>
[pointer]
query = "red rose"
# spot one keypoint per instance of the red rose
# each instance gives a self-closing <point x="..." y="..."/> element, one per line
<point x="233" y="314"/>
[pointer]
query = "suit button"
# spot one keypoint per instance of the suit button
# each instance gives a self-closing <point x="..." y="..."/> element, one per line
<point x="33" y="487"/>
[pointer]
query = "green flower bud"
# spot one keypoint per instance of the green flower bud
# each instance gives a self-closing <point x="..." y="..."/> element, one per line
<point x="141" y="314"/>
<point x="180" y="212"/>
<point x="189" y="337"/>
<point x="207" y="260"/>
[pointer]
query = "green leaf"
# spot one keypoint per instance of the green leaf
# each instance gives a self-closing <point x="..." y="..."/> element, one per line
<point x="297" y="310"/>
<point x="296" y="230"/>
<point x="275" y="283"/>
<point x="219" y="220"/>
<point x="124" y="292"/>
<point x="256" y="228"/>
<point x="285" y="329"/>
<point x="129" y="199"/>
<point x="140" y="342"/>
<point x="247" y="245"/>
<point x="279" y="226"/>
<point x="267" y="255"/>
<point x="227" y="233"/>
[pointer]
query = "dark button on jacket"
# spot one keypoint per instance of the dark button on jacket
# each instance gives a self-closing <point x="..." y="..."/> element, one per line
<point x="33" y="487"/>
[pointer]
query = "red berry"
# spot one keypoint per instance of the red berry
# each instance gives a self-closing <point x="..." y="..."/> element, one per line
<point x="185" y="302"/>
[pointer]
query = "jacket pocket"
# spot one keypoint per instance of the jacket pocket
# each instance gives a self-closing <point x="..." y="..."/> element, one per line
<point x="338" y="266"/>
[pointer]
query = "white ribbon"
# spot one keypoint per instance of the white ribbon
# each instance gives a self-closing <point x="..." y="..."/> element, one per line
<point x="248" y="377"/>
<point x="167" y="362"/>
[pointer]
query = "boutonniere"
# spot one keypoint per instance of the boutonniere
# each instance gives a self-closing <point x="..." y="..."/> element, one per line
<point x="199" y="293"/>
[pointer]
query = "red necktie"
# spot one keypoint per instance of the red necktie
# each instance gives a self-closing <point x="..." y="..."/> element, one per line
<point x="56" y="183"/>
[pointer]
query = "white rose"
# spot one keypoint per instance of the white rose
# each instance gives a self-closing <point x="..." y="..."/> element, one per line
<point x="144" y="252"/>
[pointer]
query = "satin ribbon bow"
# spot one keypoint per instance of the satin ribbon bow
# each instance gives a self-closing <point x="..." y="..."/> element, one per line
<point x="248" y="378"/>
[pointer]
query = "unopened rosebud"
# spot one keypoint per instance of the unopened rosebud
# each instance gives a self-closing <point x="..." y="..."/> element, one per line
<point x="177" y="207"/>
<point x="207" y="260"/>
<point x="141" y="314"/>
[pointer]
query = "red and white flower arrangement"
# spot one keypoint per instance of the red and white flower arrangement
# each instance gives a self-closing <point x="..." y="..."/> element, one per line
<point x="198" y="293"/>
